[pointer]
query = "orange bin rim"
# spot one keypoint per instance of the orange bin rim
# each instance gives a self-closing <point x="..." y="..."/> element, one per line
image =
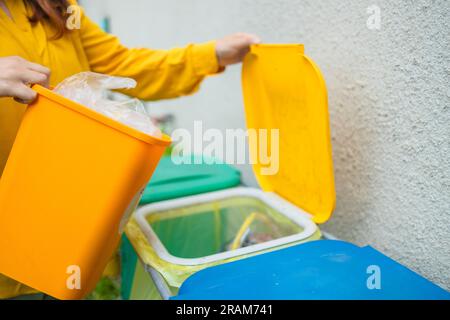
<point x="64" y="102"/>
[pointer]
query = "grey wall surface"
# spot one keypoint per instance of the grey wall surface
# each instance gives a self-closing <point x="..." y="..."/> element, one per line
<point x="388" y="98"/>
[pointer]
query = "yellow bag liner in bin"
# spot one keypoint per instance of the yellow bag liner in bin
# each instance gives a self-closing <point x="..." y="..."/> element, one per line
<point x="231" y="221"/>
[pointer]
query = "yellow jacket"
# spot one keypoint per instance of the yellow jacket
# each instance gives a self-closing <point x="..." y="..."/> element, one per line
<point x="160" y="73"/>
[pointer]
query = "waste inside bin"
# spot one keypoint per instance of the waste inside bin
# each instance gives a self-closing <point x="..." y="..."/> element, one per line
<point x="284" y="91"/>
<point x="180" y="237"/>
<point x="71" y="175"/>
<point x="174" y="177"/>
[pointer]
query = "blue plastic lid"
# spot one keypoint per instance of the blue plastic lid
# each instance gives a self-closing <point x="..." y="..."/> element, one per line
<point x="320" y="270"/>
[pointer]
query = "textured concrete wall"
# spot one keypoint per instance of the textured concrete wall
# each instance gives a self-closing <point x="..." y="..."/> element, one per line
<point x="388" y="97"/>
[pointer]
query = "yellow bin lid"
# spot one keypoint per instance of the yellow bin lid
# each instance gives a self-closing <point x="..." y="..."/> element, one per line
<point x="283" y="89"/>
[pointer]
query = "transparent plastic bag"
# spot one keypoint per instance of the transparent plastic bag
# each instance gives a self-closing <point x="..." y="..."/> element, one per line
<point x="91" y="90"/>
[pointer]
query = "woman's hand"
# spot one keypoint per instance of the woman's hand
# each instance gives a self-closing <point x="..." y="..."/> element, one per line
<point x="233" y="48"/>
<point x="16" y="76"/>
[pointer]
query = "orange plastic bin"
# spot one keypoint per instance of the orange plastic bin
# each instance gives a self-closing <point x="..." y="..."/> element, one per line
<point x="71" y="179"/>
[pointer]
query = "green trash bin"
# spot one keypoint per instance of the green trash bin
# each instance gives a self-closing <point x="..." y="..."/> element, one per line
<point x="171" y="181"/>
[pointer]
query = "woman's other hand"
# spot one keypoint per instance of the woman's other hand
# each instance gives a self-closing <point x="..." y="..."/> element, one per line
<point x="233" y="48"/>
<point x="16" y="76"/>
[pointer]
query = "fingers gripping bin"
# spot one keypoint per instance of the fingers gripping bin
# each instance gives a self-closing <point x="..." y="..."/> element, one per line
<point x="72" y="177"/>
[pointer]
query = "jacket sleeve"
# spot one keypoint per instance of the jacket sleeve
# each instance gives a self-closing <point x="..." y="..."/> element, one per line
<point x="160" y="74"/>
